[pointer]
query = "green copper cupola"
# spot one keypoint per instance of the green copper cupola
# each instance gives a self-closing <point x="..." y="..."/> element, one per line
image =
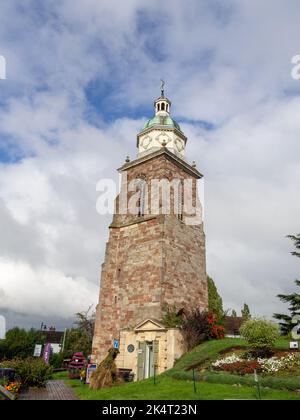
<point x="161" y="130"/>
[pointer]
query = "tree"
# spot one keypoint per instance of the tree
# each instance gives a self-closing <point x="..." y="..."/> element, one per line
<point x="246" y="312"/>
<point x="20" y="343"/>
<point x="292" y="299"/>
<point x="215" y="303"/>
<point x="80" y="338"/>
<point x="233" y="313"/>
<point x="86" y="323"/>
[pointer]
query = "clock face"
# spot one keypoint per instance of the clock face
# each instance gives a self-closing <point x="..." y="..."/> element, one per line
<point x="145" y="142"/>
<point x="163" y="138"/>
<point x="179" y="144"/>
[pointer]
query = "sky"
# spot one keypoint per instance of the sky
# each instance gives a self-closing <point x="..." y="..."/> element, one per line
<point x="80" y="82"/>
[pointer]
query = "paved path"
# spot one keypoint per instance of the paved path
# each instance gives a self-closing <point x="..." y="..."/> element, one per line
<point x="55" y="390"/>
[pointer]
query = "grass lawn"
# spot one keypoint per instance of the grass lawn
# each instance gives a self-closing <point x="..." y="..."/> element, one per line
<point x="167" y="388"/>
<point x="175" y="384"/>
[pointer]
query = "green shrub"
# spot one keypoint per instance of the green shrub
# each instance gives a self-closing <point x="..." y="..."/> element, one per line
<point x="172" y="317"/>
<point x="195" y="328"/>
<point x="56" y="360"/>
<point x="260" y="334"/>
<point x="31" y="371"/>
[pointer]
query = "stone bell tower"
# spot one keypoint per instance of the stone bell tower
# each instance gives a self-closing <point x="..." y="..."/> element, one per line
<point x="155" y="255"/>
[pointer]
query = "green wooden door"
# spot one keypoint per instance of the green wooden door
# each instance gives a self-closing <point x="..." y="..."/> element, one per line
<point x="141" y="360"/>
<point x="150" y="359"/>
<point x="155" y="355"/>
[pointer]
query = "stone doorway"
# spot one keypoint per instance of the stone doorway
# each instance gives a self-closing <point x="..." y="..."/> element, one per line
<point x="150" y="345"/>
<point x="147" y="359"/>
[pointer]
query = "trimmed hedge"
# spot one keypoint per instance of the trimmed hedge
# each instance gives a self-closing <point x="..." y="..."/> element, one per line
<point x="282" y="383"/>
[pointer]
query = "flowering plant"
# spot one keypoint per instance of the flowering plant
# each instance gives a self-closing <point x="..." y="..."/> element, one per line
<point x="277" y="364"/>
<point x="227" y="361"/>
<point x="215" y="330"/>
<point x="13" y="387"/>
<point x="236" y="364"/>
<point x="83" y="375"/>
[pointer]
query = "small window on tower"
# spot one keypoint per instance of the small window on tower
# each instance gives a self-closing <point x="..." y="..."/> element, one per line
<point x="162" y="106"/>
<point x="142" y="199"/>
<point x="141" y="206"/>
<point x="180" y="202"/>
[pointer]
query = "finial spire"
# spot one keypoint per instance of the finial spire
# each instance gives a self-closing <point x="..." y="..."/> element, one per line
<point x="162" y="88"/>
<point x="162" y="105"/>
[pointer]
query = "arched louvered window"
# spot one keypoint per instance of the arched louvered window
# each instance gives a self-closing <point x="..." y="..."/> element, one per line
<point x="180" y="204"/>
<point x="142" y="199"/>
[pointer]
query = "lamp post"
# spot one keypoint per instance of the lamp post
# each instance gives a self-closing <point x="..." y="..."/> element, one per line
<point x="43" y="326"/>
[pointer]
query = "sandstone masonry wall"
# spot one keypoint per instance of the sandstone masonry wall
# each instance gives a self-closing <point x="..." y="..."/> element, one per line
<point x="150" y="261"/>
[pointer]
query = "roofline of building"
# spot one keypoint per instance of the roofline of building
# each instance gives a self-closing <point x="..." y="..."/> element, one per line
<point x="163" y="151"/>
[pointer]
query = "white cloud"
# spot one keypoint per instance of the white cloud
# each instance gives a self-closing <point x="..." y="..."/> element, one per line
<point x="252" y="174"/>
<point x="45" y="291"/>
<point x="220" y="65"/>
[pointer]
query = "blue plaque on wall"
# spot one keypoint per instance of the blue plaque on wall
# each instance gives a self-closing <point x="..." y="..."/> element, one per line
<point x="130" y="348"/>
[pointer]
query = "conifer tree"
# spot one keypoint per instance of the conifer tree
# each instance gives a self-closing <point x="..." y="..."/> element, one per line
<point x="292" y="299"/>
<point x="246" y="312"/>
<point x="215" y="302"/>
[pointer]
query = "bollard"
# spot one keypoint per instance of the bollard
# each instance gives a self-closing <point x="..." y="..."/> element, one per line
<point x="195" y="389"/>
<point x="257" y="385"/>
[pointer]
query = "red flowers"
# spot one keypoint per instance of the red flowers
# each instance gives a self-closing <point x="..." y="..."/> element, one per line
<point x="216" y="330"/>
<point x="245" y="367"/>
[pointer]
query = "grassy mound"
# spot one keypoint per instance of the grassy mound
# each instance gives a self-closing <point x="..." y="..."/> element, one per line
<point x="208" y="352"/>
<point x="177" y="384"/>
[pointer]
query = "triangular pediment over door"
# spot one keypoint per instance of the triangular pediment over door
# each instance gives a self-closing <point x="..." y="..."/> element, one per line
<point x="150" y="325"/>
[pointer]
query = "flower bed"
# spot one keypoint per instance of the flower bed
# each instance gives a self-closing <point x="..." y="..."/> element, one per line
<point x="13" y="387"/>
<point x="234" y="364"/>
<point x="243" y="364"/>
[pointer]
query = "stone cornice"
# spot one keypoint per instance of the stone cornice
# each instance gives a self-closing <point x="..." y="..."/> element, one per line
<point x="163" y="151"/>
<point x="132" y="222"/>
